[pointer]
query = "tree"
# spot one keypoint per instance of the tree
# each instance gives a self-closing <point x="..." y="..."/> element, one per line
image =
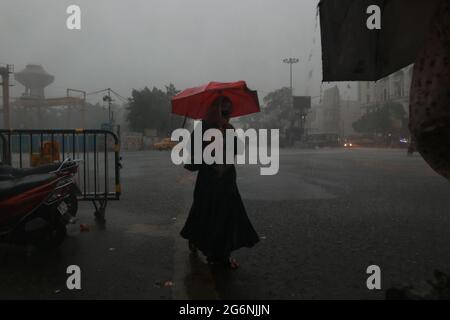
<point x="171" y="91"/>
<point x="278" y="108"/>
<point x="151" y="109"/>
<point x="278" y="99"/>
<point x="383" y="120"/>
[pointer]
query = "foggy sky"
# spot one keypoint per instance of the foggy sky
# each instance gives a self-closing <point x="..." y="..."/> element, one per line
<point x="137" y="43"/>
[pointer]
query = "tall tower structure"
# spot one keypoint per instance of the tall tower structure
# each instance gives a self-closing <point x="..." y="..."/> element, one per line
<point x="34" y="78"/>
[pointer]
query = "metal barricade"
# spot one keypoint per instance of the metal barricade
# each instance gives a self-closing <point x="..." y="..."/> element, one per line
<point x="98" y="180"/>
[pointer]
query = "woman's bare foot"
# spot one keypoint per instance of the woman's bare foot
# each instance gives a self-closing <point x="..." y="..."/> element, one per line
<point x="233" y="264"/>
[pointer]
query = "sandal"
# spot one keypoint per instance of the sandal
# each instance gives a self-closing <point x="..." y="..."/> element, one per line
<point x="229" y="262"/>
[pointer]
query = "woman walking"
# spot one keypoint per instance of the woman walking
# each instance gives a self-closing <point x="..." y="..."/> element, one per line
<point x="218" y="223"/>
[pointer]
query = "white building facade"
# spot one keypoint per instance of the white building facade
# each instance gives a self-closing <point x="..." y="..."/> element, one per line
<point x="394" y="88"/>
<point x="333" y="115"/>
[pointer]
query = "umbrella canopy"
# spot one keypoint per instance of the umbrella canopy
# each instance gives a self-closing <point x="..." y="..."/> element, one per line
<point x="352" y="52"/>
<point x="194" y="102"/>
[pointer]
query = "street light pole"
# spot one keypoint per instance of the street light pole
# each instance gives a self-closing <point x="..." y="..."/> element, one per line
<point x="291" y="61"/>
<point x="109" y="100"/>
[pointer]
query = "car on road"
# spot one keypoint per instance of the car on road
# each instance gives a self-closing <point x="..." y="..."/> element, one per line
<point x="164" y="144"/>
<point x="349" y="144"/>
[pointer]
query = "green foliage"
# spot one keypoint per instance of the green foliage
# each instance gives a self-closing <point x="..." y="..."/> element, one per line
<point x="171" y="91"/>
<point x="278" y="99"/>
<point x="382" y="120"/>
<point x="278" y="108"/>
<point x="151" y="109"/>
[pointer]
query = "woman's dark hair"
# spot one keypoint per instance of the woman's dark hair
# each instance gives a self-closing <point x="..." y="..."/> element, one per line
<point x="226" y="112"/>
<point x="221" y="100"/>
<point x="215" y="114"/>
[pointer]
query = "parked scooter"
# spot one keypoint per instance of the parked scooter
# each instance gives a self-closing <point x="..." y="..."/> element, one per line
<point x="67" y="168"/>
<point x="30" y="210"/>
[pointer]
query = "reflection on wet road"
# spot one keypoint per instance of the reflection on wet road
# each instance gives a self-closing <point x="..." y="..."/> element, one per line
<point x="323" y="219"/>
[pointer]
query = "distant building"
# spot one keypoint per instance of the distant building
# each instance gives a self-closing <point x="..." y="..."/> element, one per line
<point x="394" y="88"/>
<point x="333" y="115"/>
<point x="350" y="112"/>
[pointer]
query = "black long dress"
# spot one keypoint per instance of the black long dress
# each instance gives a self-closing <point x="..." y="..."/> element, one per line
<point x="218" y="223"/>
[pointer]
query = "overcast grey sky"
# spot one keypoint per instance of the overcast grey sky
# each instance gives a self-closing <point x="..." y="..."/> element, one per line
<point x="125" y="44"/>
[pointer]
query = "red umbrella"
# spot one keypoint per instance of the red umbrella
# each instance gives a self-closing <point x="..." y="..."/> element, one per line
<point x="194" y="102"/>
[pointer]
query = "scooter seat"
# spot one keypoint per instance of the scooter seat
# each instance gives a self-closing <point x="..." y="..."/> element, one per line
<point x="8" y="172"/>
<point x="13" y="187"/>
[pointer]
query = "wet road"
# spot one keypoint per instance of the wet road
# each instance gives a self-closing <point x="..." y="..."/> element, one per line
<point x="323" y="220"/>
